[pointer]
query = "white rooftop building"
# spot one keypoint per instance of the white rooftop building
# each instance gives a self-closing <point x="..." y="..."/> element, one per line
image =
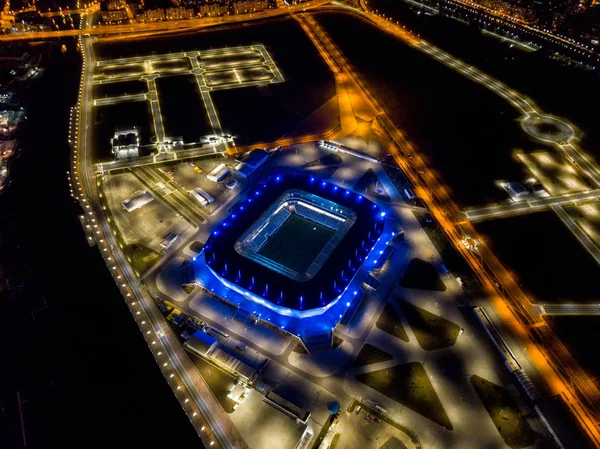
<point x="137" y="200"/>
<point x="219" y="173"/>
<point x="125" y="143"/>
<point x="201" y="196"/>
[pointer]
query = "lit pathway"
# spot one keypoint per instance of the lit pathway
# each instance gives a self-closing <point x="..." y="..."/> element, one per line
<point x="530" y="206"/>
<point x="569" y="309"/>
<point x="579" y="233"/>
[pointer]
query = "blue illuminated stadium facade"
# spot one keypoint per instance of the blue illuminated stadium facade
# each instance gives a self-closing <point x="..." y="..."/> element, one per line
<point x="307" y="303"/>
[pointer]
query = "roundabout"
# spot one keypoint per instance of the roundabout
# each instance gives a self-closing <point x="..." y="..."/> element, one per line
<point x="548" y="129"/>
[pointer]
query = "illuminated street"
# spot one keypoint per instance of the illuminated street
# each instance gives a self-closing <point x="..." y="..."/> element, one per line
<point x="525" y="207"/>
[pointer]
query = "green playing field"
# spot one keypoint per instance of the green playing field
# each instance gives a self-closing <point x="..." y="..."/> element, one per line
<point x="297" y="243"/>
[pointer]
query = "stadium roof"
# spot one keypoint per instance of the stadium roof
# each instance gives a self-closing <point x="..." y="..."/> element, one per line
<point x="337" y="271"/>
<point x="256" y="158"/>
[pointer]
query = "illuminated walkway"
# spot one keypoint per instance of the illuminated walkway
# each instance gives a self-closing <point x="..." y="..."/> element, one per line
<point x="568" y="309"/>
<point x="578" y="232"/>
<point x="213" y="69"/>
<point x="120" y="99"/>
<point x="530" y="206"/>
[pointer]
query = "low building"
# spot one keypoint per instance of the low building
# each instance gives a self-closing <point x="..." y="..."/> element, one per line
<point x="113" y="11"/>
<point x="201" y="343"/>
<point x="287" y="407"/>
<point x="137" y="200"/>
<point x="206" y="345"/>
<point x="201" y="196"/>
<point x="249" y="164"/>
<point x="256" y="158"/>
<point x="516" y="191"/>
<point x="230" y="363"/>
<point x="168" y="240"/>
<point x="219" y="173"/>
<point x="125" y="143"/>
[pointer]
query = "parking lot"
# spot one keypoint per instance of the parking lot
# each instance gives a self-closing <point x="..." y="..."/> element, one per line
<point x="147" y="225"/>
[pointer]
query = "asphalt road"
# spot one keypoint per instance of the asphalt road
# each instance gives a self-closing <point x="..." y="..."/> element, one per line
<point x="525" y="207"/>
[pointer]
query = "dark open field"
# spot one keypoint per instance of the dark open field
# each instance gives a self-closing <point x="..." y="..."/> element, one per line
<point x="108" y="118"/>
<point x="297" y="243"/>
<point x="410" y="386"/>
<point x="117" y="89"/>
<point x="579" y="334"/>
<point x="129" y="69"/>
<point x="254" y="114"/>
<point x="222" y="61"/>
<point x="181" y="107"/>
<point x="71" y="342"/>
<point x="508" y="419"/>
<point x="466" y="133"/>
<point x="183" y="63"/>
<point x="532" y="73"/>
<point x="546" y="259"/>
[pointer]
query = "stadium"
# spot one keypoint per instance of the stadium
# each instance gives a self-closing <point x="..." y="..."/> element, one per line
<point x="318" y="223"/>
<point x="291" y="253"/>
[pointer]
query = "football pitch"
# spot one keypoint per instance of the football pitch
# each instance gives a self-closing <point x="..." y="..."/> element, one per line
<point x="297" y="243"/>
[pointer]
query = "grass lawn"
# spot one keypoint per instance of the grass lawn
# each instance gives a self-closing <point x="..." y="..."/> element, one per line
<point x="505" y="414"/>
<point x="369" y="354"/>
<point x="369" y="184"/>
<point x="389" y="322"/>
<point x="334" y="441"/>
<point x="297" y="243"/>
<point x="393" y="443"/>
<point x="409" y="385"/>
<point x="422" y="275"/>
<point x="142" y="257"/>
<point x="432" y="331"/>
<point x="219" y="383"/>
